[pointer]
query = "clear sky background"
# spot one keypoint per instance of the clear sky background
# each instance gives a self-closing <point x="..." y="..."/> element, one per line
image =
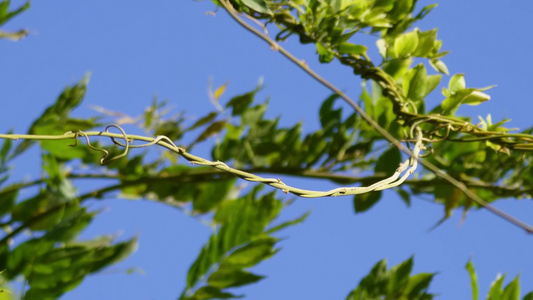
<point x="138" y="49"/>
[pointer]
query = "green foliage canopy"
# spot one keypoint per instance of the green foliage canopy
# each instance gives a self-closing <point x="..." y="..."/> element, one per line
<point x="487" y="158"/>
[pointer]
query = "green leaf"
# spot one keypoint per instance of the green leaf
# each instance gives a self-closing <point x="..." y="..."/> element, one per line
<point x="512" y="290"/>
<point x="210" y="292"/>
<point x="382" y="47"/>
<point x="211" y="130"/>
<point x="418" y="285"/>
<point x="7" y="143"/>
<point x="389" y="161"/>
<point x="495" y="291"/>
<point x="406" y="44"/>
<point x="57" y="114"/>
<point x="41" y="294"/>
<point x="529" y="296"/>
<point x="476" y="98"/>
<point x="254" y="115"/>
<point x="240" y="104"/>
<point x="399" y="277"/>
<point x="397" y="67"/>
<point x="7" y="199"/>
<point x="56" y="271"/>
<point x="439" y="66"/>
<point x="251" y="254"/>
<point x="385" y="5"/>
<point x="204" y="120"/>
<point x="406" y="197"/>
<point x="19" y="259"/>
<point x="70" y="226"/>
<point x="208" y="195"/>
<point x="473" y="279"/>
<point x="62" y="149"/>
<point x="424" y="11"/>
<point x="470" y="96"/>
<point x="457" y="82"/>
<point x="401" y="9"/>
<point x="224" y="278"/>
<point x="426" y="42"/>
<point x="432" y="82"/>
<point x="286" y="224"/>
<point x="258" y="5"/>
<point x="329" y="117"/>
<point x="243" y="220"/>
<point x="363" y="202"/>
<point x="325" y="55"/>
<point x="349" y="48"/>
<point x="6" y="15"/>
<point x="375" y="283"/>
<point x="368" y="102"/>
<point x="416" y="88"/>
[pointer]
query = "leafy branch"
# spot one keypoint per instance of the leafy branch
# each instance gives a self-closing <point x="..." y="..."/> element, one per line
<point x="391" y="89"/>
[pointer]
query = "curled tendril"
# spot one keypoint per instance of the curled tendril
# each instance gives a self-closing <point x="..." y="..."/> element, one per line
<point x="88" y="141"/>
<point x="431" y="152"/>
<point x="126" y="146"/>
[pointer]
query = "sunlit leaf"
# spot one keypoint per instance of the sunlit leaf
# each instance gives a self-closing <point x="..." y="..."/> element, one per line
<point x="397" y="67"/>
<point x="457" y="82"/>
<point x="496" y="291"/>
<point x="325" y="55"/>
<point x="348" y="48"/>
<point x="258" y="5"/>
<point x="473" y="279"/>
<point x="512" y="290"/>
<point x="426" y="42"/>
<point x="415" y="82"/>
<point x="406" y="44"/>
<point x="476" y="98"/>
<point x="439" y="66"/>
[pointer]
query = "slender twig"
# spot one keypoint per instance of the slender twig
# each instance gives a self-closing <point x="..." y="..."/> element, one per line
<point x="459" y="185"/>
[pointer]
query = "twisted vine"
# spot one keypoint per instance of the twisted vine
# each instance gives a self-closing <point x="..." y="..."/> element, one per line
<point x="407" y="167"/>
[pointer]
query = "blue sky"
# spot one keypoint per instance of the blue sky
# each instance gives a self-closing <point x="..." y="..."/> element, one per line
<point x="138" y="49"/>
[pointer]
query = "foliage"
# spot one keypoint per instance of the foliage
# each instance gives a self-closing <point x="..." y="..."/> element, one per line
<point x="497" y="291"/>
<point x="6" y="14"/>
<point x="395" y="283"/>
<point x="489" y="160"/>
